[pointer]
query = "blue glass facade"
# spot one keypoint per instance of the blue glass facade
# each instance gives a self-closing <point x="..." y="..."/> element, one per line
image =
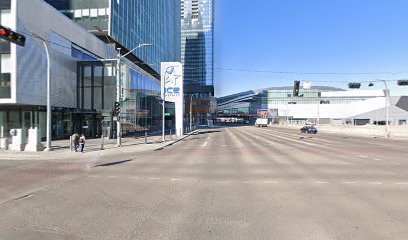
<point x="197" y="41"/>
<point x="131" y="23"/>
<point x="148" y="21"/>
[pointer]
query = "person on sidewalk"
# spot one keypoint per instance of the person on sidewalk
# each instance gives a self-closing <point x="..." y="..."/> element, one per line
<point x="82" y="142"/>
<point x="75" y="140"/>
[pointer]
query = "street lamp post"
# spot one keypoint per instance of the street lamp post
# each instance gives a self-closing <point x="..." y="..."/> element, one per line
<point x="191" y="111"/>
<point x="48" y="145"/>
<point x="47" y="52"/>
<point x="387" y="106"/>
<point x="119" y="88"/>
<point x="118" y="99"/>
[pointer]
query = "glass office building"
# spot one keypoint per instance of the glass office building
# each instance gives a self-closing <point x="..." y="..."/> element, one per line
<point x="197" y="41"/>
<point x="197" y="56"/>
<point x="130" y="23"/>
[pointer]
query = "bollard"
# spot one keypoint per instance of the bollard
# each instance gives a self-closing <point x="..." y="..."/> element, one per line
<point x="102" y="141"/>
<point x="70" y="143"/>
<point x="170" y="134"/>
<point x="145" y="137"/>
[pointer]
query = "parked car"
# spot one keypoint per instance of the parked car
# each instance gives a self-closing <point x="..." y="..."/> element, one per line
<point x="308" y="129"/>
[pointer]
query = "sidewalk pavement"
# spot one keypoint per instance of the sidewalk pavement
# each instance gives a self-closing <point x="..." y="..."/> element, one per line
<point x="61" y="148"/>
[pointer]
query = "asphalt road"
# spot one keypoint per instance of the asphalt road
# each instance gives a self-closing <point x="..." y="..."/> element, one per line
<point x="223" y="183"/>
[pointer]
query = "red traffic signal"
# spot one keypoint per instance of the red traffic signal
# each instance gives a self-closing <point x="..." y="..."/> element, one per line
<point x="12" y="36"/>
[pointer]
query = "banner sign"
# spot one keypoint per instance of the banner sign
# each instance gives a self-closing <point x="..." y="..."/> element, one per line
<point x="172" y="90"/>
<point x="172" y="81"/>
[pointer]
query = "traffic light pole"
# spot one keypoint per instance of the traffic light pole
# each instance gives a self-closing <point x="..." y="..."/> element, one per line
<point x="387" y="108"/>
<point x="118" y="98"/>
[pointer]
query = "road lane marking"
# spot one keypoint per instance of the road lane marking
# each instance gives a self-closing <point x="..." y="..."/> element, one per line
<point x="223" y="182"/>
<point x="402" y="183"/>
<point x="133" y="177"/>
<point x="235" y="139"/>
<point x="154" y="178"/>
<point x="112" y="176"/>
<point x="348" y="182"/>
<point x="208" y="138"/>
<point x="395" y="163"/>
<point x="248" y="182"/>
<point x="377" y="159"/>
<point x="377" y="183"/>
<point x="93" y="176"/>
<point x="362" y="156"/>
<point x="175" y="179"/>
<point x="319" y="182"/>
<point x="270" y="181"/>
<point x="205" y="144"/>
<point x="306" y="143"/>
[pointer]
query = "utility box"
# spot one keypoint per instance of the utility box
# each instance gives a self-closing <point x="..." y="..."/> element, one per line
<point x="18" y="139"/>
<point x="34" y="141"/>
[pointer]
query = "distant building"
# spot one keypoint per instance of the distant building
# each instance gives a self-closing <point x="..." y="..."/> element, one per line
<point x="323" y="105"/>
<point x="197" y="56"/>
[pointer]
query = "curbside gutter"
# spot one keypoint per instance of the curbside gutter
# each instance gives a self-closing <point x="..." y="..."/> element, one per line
<point x="177" y="140"/>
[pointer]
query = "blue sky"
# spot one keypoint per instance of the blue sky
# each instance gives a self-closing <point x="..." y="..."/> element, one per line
<point x="351" y="40"/>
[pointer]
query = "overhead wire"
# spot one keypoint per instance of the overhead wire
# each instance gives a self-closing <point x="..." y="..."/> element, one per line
<point x="229" y="69"/>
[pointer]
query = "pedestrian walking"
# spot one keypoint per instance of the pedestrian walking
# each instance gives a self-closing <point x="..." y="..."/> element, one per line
<point x="75" y="140"/>
<point x="82" y="142"/>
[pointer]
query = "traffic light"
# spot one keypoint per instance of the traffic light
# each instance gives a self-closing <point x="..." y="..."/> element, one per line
<point x="402" y="82"/>
<point x="354" y="85"/>
<point x="12" y="36"/>
<point x="117" y="108"/>
<point x="296" y="86"/>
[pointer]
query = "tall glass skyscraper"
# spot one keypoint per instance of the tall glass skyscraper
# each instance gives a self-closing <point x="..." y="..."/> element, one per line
<point x="130" y="23"/>
<point x="197" y="41"/>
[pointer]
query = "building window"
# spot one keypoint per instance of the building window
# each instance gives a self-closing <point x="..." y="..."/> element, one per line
<point x="5" y="90"/>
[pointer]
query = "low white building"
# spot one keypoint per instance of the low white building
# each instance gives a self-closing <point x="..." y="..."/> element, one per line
<point x="323" y="105"/>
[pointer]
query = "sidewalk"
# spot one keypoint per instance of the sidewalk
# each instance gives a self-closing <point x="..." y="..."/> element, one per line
<point x="61" y="148"/>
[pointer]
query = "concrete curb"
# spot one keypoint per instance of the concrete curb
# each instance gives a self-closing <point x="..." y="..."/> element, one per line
<point x="175" y="141"/>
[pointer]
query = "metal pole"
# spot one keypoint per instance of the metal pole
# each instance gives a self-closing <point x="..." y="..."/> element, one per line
<point x="118" y="98"/>
<point x="70" y="143"/>
<point x="102" y="139"/>
<point x="191" y="110"/>
<point x="164" y="112"/>
<point x="387" y="110"/>
<point x="48" y="144"/>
